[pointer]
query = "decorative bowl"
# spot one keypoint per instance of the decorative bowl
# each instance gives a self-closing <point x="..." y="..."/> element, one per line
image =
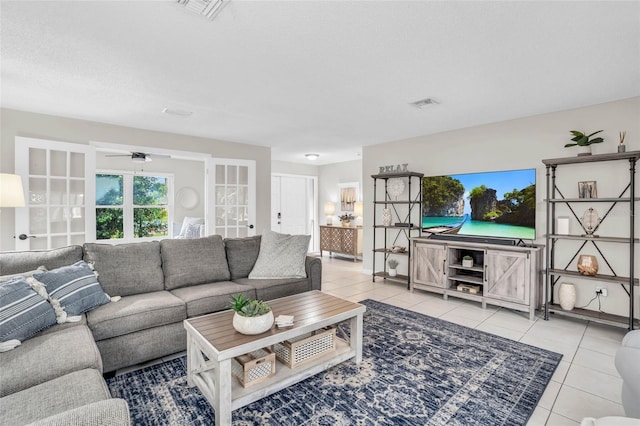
<point x="253" y="325"/>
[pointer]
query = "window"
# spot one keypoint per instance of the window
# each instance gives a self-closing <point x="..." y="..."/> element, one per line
<point x="130" y="207"/>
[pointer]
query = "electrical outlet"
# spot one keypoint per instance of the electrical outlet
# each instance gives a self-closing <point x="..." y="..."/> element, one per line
<point x="601" y="291"/>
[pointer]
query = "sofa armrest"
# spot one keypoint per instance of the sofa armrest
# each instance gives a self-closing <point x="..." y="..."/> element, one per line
<point x="631" y="339"/>
<point x="102" y="413"/>
<point x="313" y="267"/>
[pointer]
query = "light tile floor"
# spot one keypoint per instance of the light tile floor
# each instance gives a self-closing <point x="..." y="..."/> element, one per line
<point x="586" y="383"/>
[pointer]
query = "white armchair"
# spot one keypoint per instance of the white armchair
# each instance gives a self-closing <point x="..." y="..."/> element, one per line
<point x="628" y="365"/>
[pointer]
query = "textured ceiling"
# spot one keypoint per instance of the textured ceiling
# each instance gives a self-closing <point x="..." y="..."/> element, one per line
<point x="310" y="76"/>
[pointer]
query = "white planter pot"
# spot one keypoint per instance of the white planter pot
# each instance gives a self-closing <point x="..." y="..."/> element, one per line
<point x="393" y="272"/>
<point x="567" y="296"/>
<point x="253" y="325"/>
<point x="584" y="150"/>
<point x="467" y="263"/>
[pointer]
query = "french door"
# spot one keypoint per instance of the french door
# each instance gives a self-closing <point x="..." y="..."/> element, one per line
<point x="231" y="194"/>
<point x="59" y="181"/>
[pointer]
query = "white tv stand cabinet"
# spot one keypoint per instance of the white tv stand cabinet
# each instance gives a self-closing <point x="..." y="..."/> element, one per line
<point x="507" y="276"/>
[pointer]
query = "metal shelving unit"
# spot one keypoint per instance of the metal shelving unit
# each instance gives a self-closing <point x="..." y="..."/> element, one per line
<point x="407" y="211"/>
<point x="553" y="274"/>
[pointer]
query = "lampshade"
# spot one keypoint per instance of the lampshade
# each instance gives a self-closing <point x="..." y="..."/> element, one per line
<point x="329" y="208"/>
<point x="357" y="209"/>
<point x="11" y="192"/>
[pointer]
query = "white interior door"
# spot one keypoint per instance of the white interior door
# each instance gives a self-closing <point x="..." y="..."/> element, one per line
<point x="231" y="197"/>
<point x="293" y="201"/>
<point x="59" y="180"/>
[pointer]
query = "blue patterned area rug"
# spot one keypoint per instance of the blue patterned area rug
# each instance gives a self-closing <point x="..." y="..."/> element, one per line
<point x="416" y="370"/>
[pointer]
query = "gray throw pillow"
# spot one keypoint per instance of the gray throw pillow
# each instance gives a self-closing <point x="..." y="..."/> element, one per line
<point x="23" y="312"/>
<point x="74" y="287"/>
<point x="281" y="256"/>
<point x="242" y="254"/>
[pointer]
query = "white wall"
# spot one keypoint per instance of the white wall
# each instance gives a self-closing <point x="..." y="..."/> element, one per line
<point x="519" y="144"/>
<point x="20" y="123"/>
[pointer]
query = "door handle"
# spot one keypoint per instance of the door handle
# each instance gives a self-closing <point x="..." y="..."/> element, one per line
<point x="24" y="236"/>
<point x="279" y="215"/>
<point x="250" y="226"/>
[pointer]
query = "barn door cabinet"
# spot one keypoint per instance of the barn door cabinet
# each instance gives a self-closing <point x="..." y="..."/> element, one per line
<point x="497" y="275"/>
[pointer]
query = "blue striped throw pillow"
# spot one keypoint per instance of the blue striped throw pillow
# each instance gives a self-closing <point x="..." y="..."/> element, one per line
<point x="74" y="287"/>
<point x="23" y="312"/>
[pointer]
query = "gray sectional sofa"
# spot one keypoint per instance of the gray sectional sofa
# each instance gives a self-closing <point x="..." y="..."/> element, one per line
<point x="55" y="378"/>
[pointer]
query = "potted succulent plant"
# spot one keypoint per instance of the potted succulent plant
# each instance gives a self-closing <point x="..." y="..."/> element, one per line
<point x="393" y="264"/>
<point x="251" y="316"/>
<point x="583" y="142"/>
<point x="467" y="261"/>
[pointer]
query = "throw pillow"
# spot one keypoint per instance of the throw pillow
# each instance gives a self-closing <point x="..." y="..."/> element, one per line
<point x="192" y="231"/>
<point x="23" y="313"/>
<point x="281" y="256"/>
<point x="27" y="274"/>
<point x="242" y="254"/>
<point x="190" y="221"/>
<point x="72" y="290"/>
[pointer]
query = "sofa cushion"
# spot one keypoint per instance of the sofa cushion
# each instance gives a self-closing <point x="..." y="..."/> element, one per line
<point x="75" y="288"/>
<point x="242" y="254"/>
<point x="281" y="256"/>
<point x="23" y="312"/>
<point x="46" y="357"/>
<point x="126" y="269"/>
<point x="63" y="393"/>
<point x="109" y="412"/>
<point x="269" y="289"/>
<point x="136" y="312"/>
<point x="21" y="261"/>
<point x="207" y="298"/>
<point x="193" y="261"/>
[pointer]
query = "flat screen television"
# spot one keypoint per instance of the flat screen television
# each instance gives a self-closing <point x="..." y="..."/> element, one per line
<point x="491" y="204"/>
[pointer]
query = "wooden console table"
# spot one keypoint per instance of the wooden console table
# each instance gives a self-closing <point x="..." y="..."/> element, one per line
<point x="341" y="239"/>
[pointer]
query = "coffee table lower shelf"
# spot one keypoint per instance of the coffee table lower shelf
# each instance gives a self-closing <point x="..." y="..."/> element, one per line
<point x="284" y="377"/>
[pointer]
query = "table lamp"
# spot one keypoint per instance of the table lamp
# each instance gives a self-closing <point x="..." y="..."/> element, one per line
<point x="357" y="212"/>
<point x="11" y="192"/>
<point x="329" y="211"/>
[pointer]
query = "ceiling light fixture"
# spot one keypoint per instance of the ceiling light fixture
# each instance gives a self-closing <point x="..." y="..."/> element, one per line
<point x="207" y="8"/>
<point x="423" y="103"/>
<point x="178" y="112"/>
<point x="312" y="157"/>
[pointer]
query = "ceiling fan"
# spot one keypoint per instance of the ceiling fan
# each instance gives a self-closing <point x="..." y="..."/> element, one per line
<point x="140" y="157"/>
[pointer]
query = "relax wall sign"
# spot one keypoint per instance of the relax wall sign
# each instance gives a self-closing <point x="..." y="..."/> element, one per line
<point x="399" y="168"/>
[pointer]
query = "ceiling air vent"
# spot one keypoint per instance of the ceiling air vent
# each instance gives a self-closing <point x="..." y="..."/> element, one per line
<point x="423" y="103"/>
<point x="208" y="8"/>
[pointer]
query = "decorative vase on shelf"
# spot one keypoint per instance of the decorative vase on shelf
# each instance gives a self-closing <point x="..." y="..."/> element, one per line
<point x="346" y="223"/>
<point x="393" y="272"/>
<point x="567" y="296"/>
<point x="386" y="217"/>
<point x="587" y="264"/>
<point x="584" y="150"/>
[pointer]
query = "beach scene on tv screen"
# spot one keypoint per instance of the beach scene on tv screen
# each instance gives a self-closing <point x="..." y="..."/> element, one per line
<point x="494" y="204"/>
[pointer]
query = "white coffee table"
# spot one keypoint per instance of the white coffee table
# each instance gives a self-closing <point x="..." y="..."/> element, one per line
<point x="213" y="336"/>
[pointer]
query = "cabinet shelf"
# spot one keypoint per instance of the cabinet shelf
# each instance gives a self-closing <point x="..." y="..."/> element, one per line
<point x="467" y="268"/>
<point x="586" y="314"/>
<point x="406" y="208"/>
<point x="467" y="279"/>
<point x="591" y="200"/>
<point x="597" y="277"/>
<point x="626" y="243"/>
<point x="595" y="239"/>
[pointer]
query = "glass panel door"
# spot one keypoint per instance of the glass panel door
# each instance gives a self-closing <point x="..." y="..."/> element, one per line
<point x="232" y="187"/>
<point x="59" y="181"/>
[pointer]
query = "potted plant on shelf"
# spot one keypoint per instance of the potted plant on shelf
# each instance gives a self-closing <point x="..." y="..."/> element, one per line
<point x="251" y="316"/>
<point x="393" y="264"/>
<point x="583" y="141"/>
<point x="467" y="261"/>
<point x="346" y="219"/>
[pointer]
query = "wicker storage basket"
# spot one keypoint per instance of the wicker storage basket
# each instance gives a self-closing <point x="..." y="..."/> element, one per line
<point x="254" y="367"/>
<point x="293" y="353"/>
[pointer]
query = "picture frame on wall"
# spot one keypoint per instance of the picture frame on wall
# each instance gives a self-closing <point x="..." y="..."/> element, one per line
<point x="587" y="189"/>
<point x="348" y="194"/>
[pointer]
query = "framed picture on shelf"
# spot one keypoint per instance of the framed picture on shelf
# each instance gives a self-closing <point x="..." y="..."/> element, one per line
<point x="587" y="189"/>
